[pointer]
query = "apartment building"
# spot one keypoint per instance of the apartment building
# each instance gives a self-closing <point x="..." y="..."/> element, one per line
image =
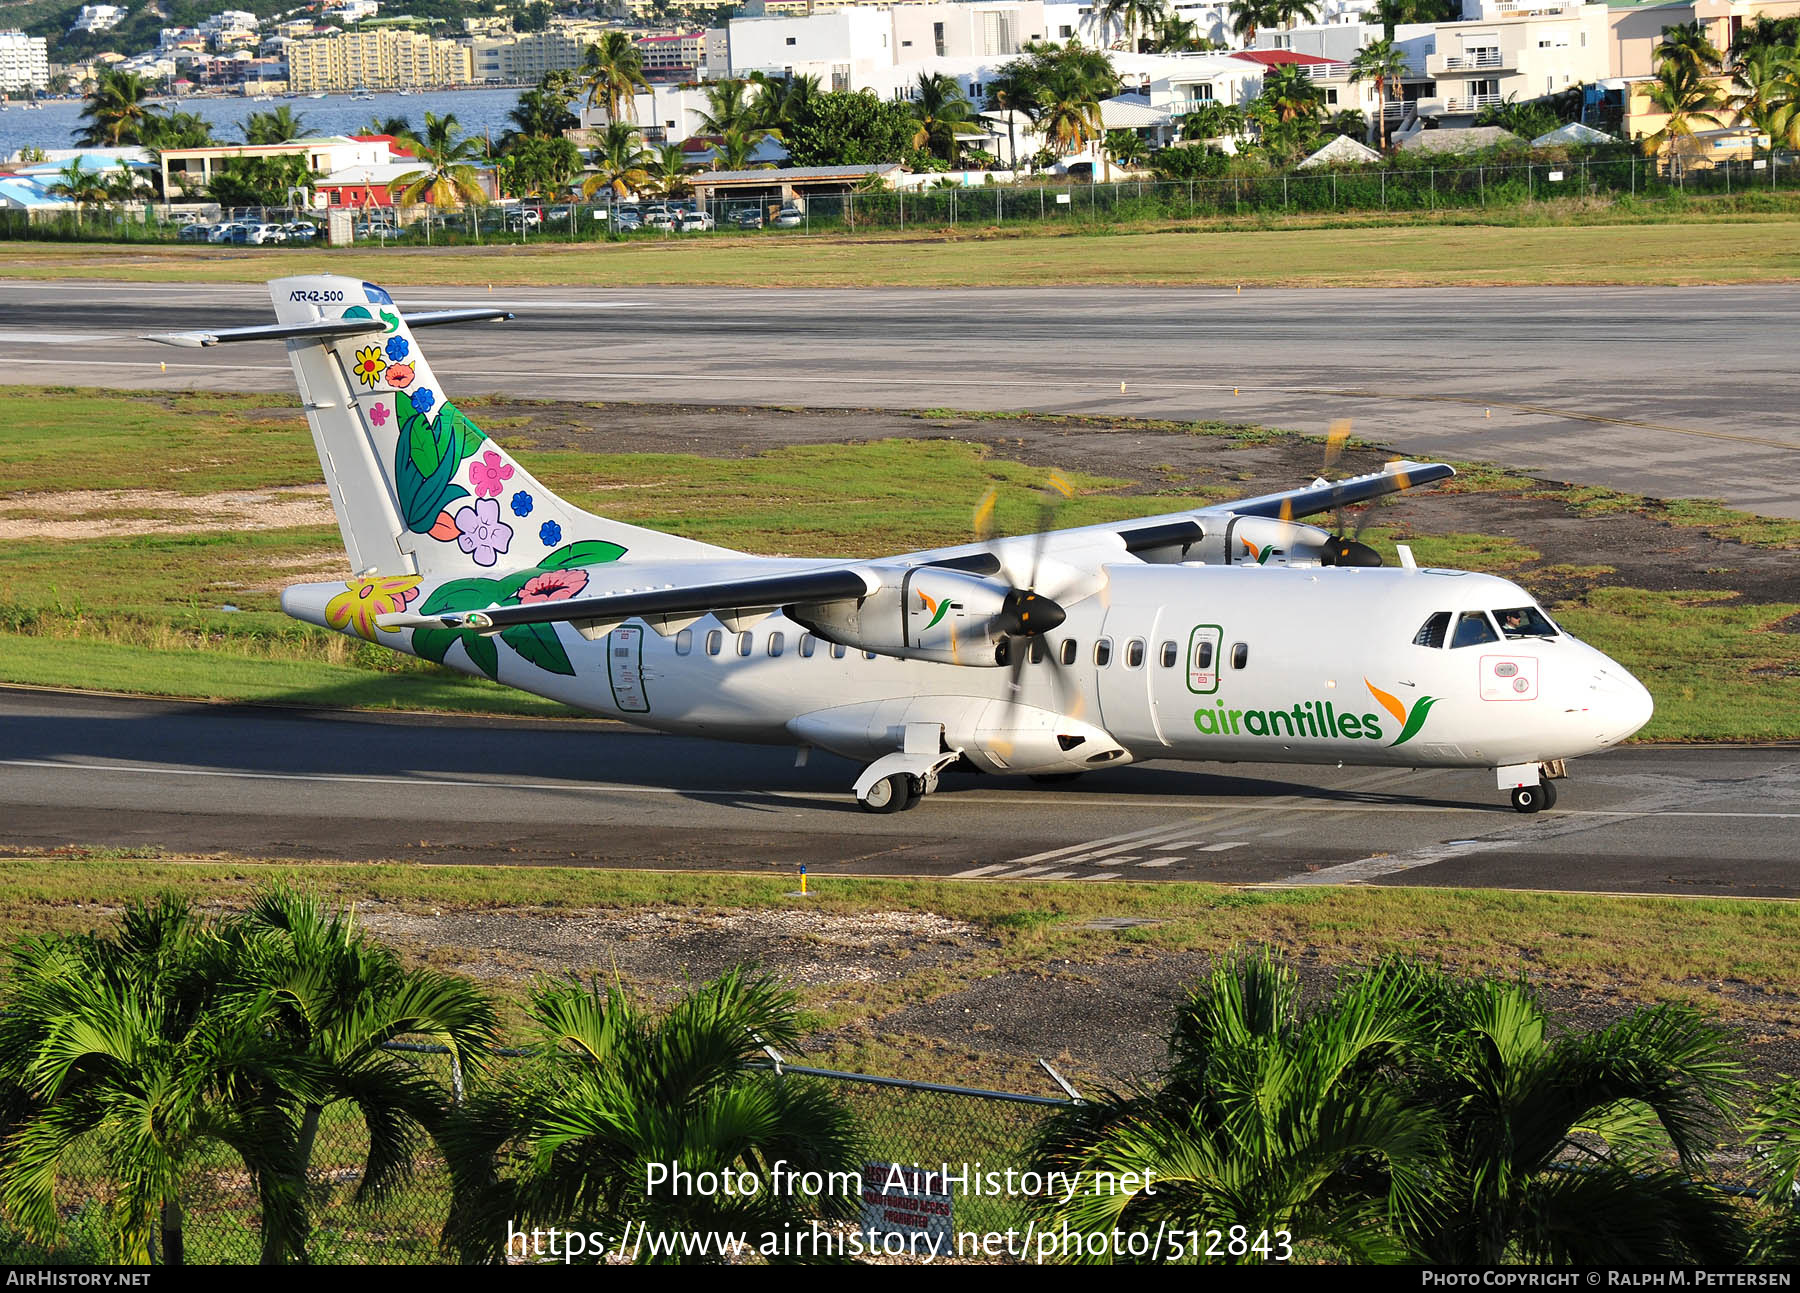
<point x="516" y="59"/>
<point x="673" y="57"/>
<point x="24" y="62"/>
<point x="98" y="17"/>
<point x="380" y="58"/>
<point x="859" y="46"/>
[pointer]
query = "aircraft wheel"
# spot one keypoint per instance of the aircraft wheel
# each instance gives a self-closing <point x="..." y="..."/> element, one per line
<point x="889" y="795"/>
<point x="1549" y="789"/>
<point x="915" y="791"/>
<point x="1054" y="778"/>
<point x="1531" y="799"/>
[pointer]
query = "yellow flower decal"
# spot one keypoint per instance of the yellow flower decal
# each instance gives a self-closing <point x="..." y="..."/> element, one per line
<point x="355" y="608"/>
<point x="370" y="365"/>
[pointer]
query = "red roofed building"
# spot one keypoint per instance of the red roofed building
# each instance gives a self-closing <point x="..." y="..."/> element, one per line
<point x="672" y="56"/>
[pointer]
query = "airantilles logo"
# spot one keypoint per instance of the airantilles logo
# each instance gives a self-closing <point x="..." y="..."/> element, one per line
<point x="1317" y="720"/>
<point x="1262" y="554"/>
<point x="938" y="609"/>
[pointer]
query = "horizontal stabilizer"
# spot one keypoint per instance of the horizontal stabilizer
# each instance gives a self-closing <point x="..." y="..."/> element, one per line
<point x="322" y="329"/>
<point x="836" y="584"/>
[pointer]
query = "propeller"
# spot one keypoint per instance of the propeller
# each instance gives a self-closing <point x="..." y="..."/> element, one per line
<point x="1342" y="550"/>
<point x="1027" y="614"/>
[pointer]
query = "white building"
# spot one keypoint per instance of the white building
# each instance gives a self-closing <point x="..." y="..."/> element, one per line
<point x="24" y="62"/>
<point x="349" y="11"/>
<point x="98" y="17"/>
<point x="858" y="47"/>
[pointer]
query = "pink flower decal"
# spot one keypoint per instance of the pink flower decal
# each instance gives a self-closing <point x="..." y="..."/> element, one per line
<point x="489" y="476"/>
<point x="556" y="586"/>
<point x="399" y="376"/>
<point x="379" y="414"/>
<point x="363" y="599"/>
<point x="484" y="536"/>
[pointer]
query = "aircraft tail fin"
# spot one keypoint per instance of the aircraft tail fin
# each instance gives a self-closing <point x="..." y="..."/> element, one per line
<point x="419" y="488"/>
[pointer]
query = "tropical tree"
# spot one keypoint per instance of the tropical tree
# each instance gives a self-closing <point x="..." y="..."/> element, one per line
<point x="176" y="130"/>
<point x="447" y="174"/>
<point x="943" y="112"/>
<point x="620" y="163"/>
<point x="668" y="171"/>
<point x="79" y="185"/>
<point x="1012" y="92"/>
<point x="736" y="149"/>
<point x="1558" y="1148"/>
<point x="729" y="105"/>
<point x="1068" y="110"/>
<point x="131" y="1043"/>
<point x="118" y="110"/>
<point x="849" y="128"/>
<point x="1392" y="13"/>
<point x="1176" y="35"/>
<point x="1251" y="16"/>
<point x="1133" y="18"/>
<point x="1687" y="45"/>
<point x="543" y="111"/>
<point x="278" y="127"/>
<point x="1211" y="120"/>
<point x="1686" y="98"/>
<point x="570" y="1139"/>
<point x="259" y="181"/>
<point x="336" y="998"/>
<point x="1773" y="1134"/>
<point x="540" y="166"/>
<point x="1382" y="62"/>
<point x="1290" y="13"/>
<point x="1126" y="147"/>
<point x="613" y="73"/>
<point x="1353" y="122"/>
<point x="784" y="102"/>
<point x="1290" y="93"/>
<point x="399" y="127"/>
<point x="1272" y="1118"/>
<point x="1765" y="92"/>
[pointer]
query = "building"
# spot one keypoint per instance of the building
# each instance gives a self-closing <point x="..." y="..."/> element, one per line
<point x="512" y="59"/>
<point x="353" y="11"/>
<point x="862" y="47"/>
<point x="1635" y="30"/>
<point x="192" y="169"/>
<point x="770" y="187"/>
<point x="672" y="58"/>
<point x="380" y="58"/>
<point x="98" y="17"/>
<point x="24" y="62"/>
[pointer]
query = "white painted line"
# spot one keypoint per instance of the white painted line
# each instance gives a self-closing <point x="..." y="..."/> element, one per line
<point x="1162" y="862"/>
<point x="1060" y="875"/>
<point x="58" y="338"/>
<point x="1115" y="861"/>
<point x="1020" y="875"/>
<point x="1220" y="848"/>
<point x="975" y="872"/>
<point x="1104" y="875"/>
<point x="1088" y="844"/>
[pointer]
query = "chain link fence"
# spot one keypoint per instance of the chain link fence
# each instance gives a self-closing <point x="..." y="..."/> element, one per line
<point x="1452" y="186"/>
<point x="907" y="1123"/>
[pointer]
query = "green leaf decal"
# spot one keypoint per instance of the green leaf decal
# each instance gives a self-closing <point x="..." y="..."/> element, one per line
<point x="358" y="312"/>
<point x="433" y="644"/>
<point x="390" y="321"/>
<point x="1415" y="720"/>
<point x="538" y="644"/>
<point x="424" y="444"/>
<point x="471" y="594"/>
<point x="587" y="552"/>
<point x="484" y="653"/>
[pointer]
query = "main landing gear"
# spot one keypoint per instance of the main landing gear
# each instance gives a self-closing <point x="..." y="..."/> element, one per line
<point x="898" y="781"/>
<point x="894" y="794"/>
<point x="1533" y="784"/>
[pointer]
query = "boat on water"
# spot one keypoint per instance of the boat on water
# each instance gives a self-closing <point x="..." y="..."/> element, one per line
<point x="316" y="94"/>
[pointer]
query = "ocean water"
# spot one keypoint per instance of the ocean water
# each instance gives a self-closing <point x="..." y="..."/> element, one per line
<point x="479" y="112"/>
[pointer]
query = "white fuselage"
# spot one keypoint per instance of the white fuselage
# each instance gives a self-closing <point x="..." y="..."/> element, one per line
<point x="1212" y="663"/>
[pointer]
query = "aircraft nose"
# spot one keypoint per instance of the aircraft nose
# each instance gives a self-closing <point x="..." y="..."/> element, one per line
<point x="1625" y="704"/>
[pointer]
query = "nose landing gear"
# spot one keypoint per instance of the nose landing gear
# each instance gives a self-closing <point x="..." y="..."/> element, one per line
<point x="1534" y="799"/>
<point x="1533" y="784"/>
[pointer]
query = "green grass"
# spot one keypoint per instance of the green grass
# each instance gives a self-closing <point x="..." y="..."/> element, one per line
<point x="1626" y="245"/>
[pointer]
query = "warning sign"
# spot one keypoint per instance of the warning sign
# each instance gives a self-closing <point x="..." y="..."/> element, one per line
<point x="897" y="1199"/>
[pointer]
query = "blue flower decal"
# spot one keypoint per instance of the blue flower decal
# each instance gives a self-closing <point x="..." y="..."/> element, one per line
<point x="423" y="400"/>
<point x="550" y="534"/>
<point x="397" y="348"/>
<point x="521" y="504"/>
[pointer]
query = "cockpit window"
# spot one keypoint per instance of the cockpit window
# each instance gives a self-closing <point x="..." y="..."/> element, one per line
<point x="1473" y="629"/>
<point x="1525" y="622"/>
<point x="1431" y="633"/>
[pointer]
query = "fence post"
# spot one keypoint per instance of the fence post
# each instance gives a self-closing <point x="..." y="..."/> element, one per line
<point x="953" y="208"/>
<point x="1384" y="190"/>
<point x="999" y="211"/>
<point x="1433" y="188"/>
<point x="1284" y="192"/>
<point x="456" y="1079"/>
<point x="1481" y="184"/>
<point x="1040" y="204"/>
<point x="902" y="210"/>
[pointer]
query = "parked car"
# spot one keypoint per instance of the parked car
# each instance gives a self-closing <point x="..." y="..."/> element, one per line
<point x="557" y="215"/>
<point x="196" y="233"/>
<point x="627" y="221"/>
<point x="788" y="217"/>
<point x="523" y="219"/>
<point x="694" y="222"/>
<point x="659" y="219"/>
<point x="224" y="232"/>
<point x="376" y="229"/>
<point x="746" y="218"/>
<point x="300" y="231"/>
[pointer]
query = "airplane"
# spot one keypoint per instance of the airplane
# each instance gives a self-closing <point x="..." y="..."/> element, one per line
<point x="1226" y="633"/>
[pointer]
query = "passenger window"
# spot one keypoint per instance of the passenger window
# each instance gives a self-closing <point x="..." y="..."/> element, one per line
<point x="1037" y="652"/>
<point x="684" y="642"/>
<point x="1203" y="656"/>
<point x="1134" y="654"/>
<point x="1431" y="632"/>
<point x="1525" y="622"/>
<point x="775" y="643"/>
<point x="807" y="644"/>
<point x="743" y="644"/>
<point x="1473" y="629"/>
<point x="1170" y="654"/>
<point x="1102" y="653"/>
<point x="1240" y="654"/>
<point x="715" y="642"/>
<point x="838" y="650"/>
<point x="1069" y="651"/>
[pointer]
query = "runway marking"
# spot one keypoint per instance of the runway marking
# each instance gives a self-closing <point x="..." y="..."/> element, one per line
<point x="1104" y="875"/>
<point x="1162" y="862"/>
<point x="978" y="871"/>
<point x="1220" y="848"/>
<point x="1374" y="867"/>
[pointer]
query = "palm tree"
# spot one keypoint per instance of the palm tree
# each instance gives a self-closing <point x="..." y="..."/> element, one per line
<point x="1176" y="35"/>
<point x="614" y="72"/>
<point x="1290" y="13"/>
<point x="278" y="127"/>
<point x="1382" y="62"/>
<point x="1687" y="44"/>
<point x="1557" y="1146"/>
<point x="447" y="175"/>
<point x="943" y="112"/>
<point x="399" y="127"/>
<point x="728" y="107"/>
<point x="620" y="163"/>
<point x="570" y="1140"/>
<point x="668" y="171"/>
<point x="1012" y="91"/>
<point x="79" y="185"/>
<point x="1683" y="94"/>
<point x="736" y="147"/>
<point x="1211" y="120"/>
<point x="1290" y="92"/>
<point x="1773" y="1133"/>
<point x="1765" y="91"/>
<point x="1068" y="110"/>
<point x="1126" y="147"/>
<point x="1271" y="1118"/>
<point x="1132" y="16"/>
<point x="786" y="102"/>
<point x="118" y="110"/>
<point x="1249" y="17"/>
<point x="128" y="1042"/>
<point x="337" y="998"/>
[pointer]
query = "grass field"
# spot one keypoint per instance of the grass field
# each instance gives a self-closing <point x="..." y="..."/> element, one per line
<point x="1622" y="247"/>
<point x="164" y="599"/>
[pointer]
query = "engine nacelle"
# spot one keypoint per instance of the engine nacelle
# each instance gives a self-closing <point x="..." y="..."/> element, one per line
<point x="925" y="613"/>
<point x="1266" y="541"/>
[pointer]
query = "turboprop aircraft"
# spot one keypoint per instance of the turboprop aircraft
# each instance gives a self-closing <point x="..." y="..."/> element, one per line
<point x="1226" y="633"/>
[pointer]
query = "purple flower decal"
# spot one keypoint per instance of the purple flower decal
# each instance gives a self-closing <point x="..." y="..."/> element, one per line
<point x="423" y="400"/>
<point x="397" y="348"/>
<point x="379" y="415"/>
<point x="484" y="536"/>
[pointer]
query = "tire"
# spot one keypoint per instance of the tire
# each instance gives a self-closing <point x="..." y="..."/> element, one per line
<point x="1549" y="789"/>
<point x="889" y="795"/>
<point x="1529" y="799"/>
<point x="915" y="791"/>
